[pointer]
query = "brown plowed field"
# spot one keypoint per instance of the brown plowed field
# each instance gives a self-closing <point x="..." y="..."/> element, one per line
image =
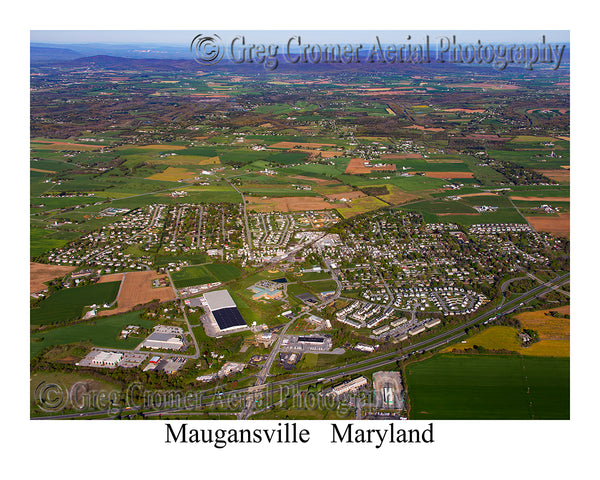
<point x="449" y="174"/>
<point x="559" y="174"/>
<point x="348" y="195"/>
<point x="426" y="129"/>
<point x="547" y="326"/>
<point x="40" y="273"/>
<point x="357" y="166"/>
<point x="112" y="277"/>
<point x="560" y="225"/>
<point x="315" y="153"/>
<point x="137" y="289"/>
<point x="318" y="181"/>
<point x="52" y="145"/>
<point x="289" y="204"/>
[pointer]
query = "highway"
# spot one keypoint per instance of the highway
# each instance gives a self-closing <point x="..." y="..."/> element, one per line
<point x="333" y="373"/>
<point x="264" y="372"/>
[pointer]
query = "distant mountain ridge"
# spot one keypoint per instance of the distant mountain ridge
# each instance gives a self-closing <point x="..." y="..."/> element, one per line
<point x="67" y="58"/>
<point x="51" y="54"/>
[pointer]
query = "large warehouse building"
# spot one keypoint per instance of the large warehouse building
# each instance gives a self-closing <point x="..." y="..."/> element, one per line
<point x="224" y="311"/>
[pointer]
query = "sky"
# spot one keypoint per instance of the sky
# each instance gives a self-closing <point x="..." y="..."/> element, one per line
<point x="183" y="37"/>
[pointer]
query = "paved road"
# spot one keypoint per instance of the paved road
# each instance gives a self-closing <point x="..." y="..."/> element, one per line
<point x="249" y="237"/>
<point x="187" y="322"/>
<point x="264" y="373"/>
<point x="200" y="212"/>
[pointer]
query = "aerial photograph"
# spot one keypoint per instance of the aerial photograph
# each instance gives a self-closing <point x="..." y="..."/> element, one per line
<point x="299" y="225"/>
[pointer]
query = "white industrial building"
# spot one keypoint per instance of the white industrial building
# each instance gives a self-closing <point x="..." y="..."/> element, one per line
<point x="167" y="341"/>
<point x="350" y="386"/>
<point x="106" y="359"/>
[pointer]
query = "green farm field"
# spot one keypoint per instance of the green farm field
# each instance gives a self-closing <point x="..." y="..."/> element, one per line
<point x="102" y="332"/>
<point x="41" y="241"/>
<point x="481" y="387"/>
<point x="201" y="274"/>
<point x="68" y="304"/>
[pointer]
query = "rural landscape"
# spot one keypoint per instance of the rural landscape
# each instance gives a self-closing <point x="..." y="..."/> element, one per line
<point x="344" y="241"/>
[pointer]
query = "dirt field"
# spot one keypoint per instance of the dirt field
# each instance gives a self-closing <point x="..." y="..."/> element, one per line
<point x="548" y="327"/>
<point x="357" y="166"/>
<point x="560" y="225"/>
<point x="289" y="204"/>
<point x="542" y="199"/>
<point x="347" y="195"/>
<point x="41" y="171"/>
<point x="52" y="145"/>
<point x="288" y="145"/>
<point x="449" y="174"/>
<point x="318" y="181"/>
<point x="316" y="153"/>
<point x="559" y="174"/>
<point x="137" y="289"/>
<point x="421" y="127"/>
<point x="112" y="277"/>
<point x="40" y="273"/>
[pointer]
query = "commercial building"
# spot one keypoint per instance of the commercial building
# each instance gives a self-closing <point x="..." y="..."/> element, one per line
<point x="223" y="310"/>
<point x="349" y="387"/>
<point x="307" y="343"/>
<point x="166" y="341"/>
<point x="364" y="347"/>
<point x="106" y="359"/>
